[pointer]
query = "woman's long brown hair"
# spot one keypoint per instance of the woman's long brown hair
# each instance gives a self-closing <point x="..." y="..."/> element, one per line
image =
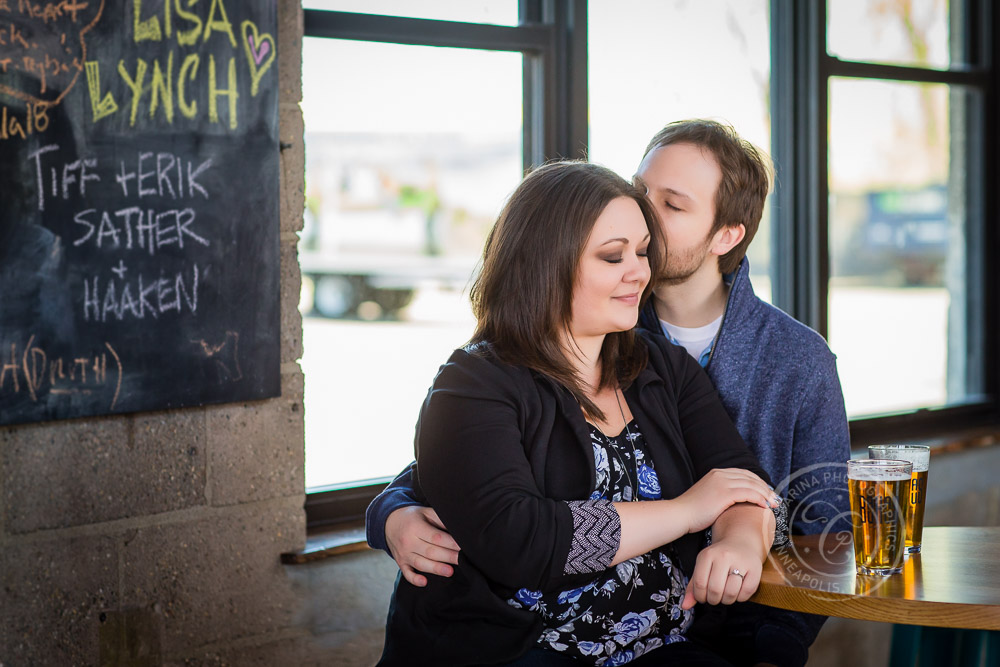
<point x="522" y="298"/>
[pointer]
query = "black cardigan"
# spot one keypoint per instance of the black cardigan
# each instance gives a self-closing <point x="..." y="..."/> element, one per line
<point x="499" y="449"/>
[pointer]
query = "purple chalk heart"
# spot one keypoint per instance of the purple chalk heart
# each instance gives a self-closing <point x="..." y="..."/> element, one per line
<point x="258" y="53"/>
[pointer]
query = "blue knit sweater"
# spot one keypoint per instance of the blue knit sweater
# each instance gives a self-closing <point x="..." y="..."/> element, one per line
<point x="778" y="381"/>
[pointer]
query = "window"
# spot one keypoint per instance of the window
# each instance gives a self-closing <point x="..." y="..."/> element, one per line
<point x="416" y="129"/>
<point x="897" y="245"/>
<point x="885" y="152"/>
<point x="878" y="116"/>
<point x="915" y="33"/>
<point x="402" y="186"/>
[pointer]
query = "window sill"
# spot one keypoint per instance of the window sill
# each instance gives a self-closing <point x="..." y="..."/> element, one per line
<point x="960" y="441"/>
<point x="321" y="544"/>
<point x="954" y="440"/>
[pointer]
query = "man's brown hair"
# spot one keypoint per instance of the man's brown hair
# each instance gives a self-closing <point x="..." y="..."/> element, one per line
<point x="746" y="177"/>
<point x="522" y="298"/>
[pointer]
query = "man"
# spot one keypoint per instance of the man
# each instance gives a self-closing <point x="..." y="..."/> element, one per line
<point x="776" y="377"/>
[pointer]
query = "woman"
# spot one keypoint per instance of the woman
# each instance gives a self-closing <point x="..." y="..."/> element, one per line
<point x="537" y="439"/>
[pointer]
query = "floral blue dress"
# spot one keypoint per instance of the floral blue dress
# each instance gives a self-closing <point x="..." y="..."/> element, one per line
<point x="632" y="608"/>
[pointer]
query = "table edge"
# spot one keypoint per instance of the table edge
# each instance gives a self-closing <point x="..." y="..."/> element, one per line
<point x="861" y="607"/>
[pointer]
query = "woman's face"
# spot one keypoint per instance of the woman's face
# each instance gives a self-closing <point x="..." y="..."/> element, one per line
<point x="612" y="273"/>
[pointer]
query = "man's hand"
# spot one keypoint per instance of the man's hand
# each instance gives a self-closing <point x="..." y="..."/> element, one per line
<point x="418" y="541"/>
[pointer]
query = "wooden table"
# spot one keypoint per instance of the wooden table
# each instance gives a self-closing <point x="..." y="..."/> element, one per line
<point x="953" y="583"/>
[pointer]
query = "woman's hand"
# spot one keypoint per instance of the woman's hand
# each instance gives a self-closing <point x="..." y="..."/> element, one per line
<point x="741" y="538"/>
<point x="719" y="490"/>
<point x="418" y="541"/>
<point x="713" y="580"/>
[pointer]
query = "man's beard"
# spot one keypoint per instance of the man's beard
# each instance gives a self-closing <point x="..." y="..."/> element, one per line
<point x="679" y="269"/>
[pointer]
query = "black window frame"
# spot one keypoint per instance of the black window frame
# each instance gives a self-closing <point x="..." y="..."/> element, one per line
<point x="552" y="34"/>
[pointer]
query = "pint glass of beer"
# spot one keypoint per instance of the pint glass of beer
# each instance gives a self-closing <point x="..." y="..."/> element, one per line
<point x="879" y="494"/>
<point x="920" y="457"/>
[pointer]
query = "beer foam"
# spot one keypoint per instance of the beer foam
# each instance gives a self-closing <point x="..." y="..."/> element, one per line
<point x="876" y="475"/>
<point x="918" y="456"/>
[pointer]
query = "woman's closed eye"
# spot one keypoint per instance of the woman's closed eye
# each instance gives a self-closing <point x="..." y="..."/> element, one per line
<point x="617" y="259"/>
<point x="670" y="206"/>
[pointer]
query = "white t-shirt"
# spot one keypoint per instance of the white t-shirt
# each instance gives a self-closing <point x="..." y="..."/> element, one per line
<point x="695" y="340"/>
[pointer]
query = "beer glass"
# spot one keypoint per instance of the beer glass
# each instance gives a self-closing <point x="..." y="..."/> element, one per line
<point x="920" y="457"/>
<point x="879" y="492"/>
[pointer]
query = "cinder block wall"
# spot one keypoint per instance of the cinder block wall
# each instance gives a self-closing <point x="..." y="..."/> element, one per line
<point x="155" y="538"/>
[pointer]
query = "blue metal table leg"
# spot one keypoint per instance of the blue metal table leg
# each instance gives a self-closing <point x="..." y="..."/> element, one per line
<point x="917" y="646"/>
<point x="905" y="648"/>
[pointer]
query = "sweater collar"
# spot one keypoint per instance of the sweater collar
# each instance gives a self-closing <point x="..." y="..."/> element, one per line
<point x="742" y="303"/>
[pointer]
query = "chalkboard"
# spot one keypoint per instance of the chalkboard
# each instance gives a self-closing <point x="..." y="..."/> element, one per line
<point x="139" y="164"/>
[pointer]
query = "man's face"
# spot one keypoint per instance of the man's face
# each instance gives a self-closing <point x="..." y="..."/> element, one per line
<point x="681" y="182"/>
